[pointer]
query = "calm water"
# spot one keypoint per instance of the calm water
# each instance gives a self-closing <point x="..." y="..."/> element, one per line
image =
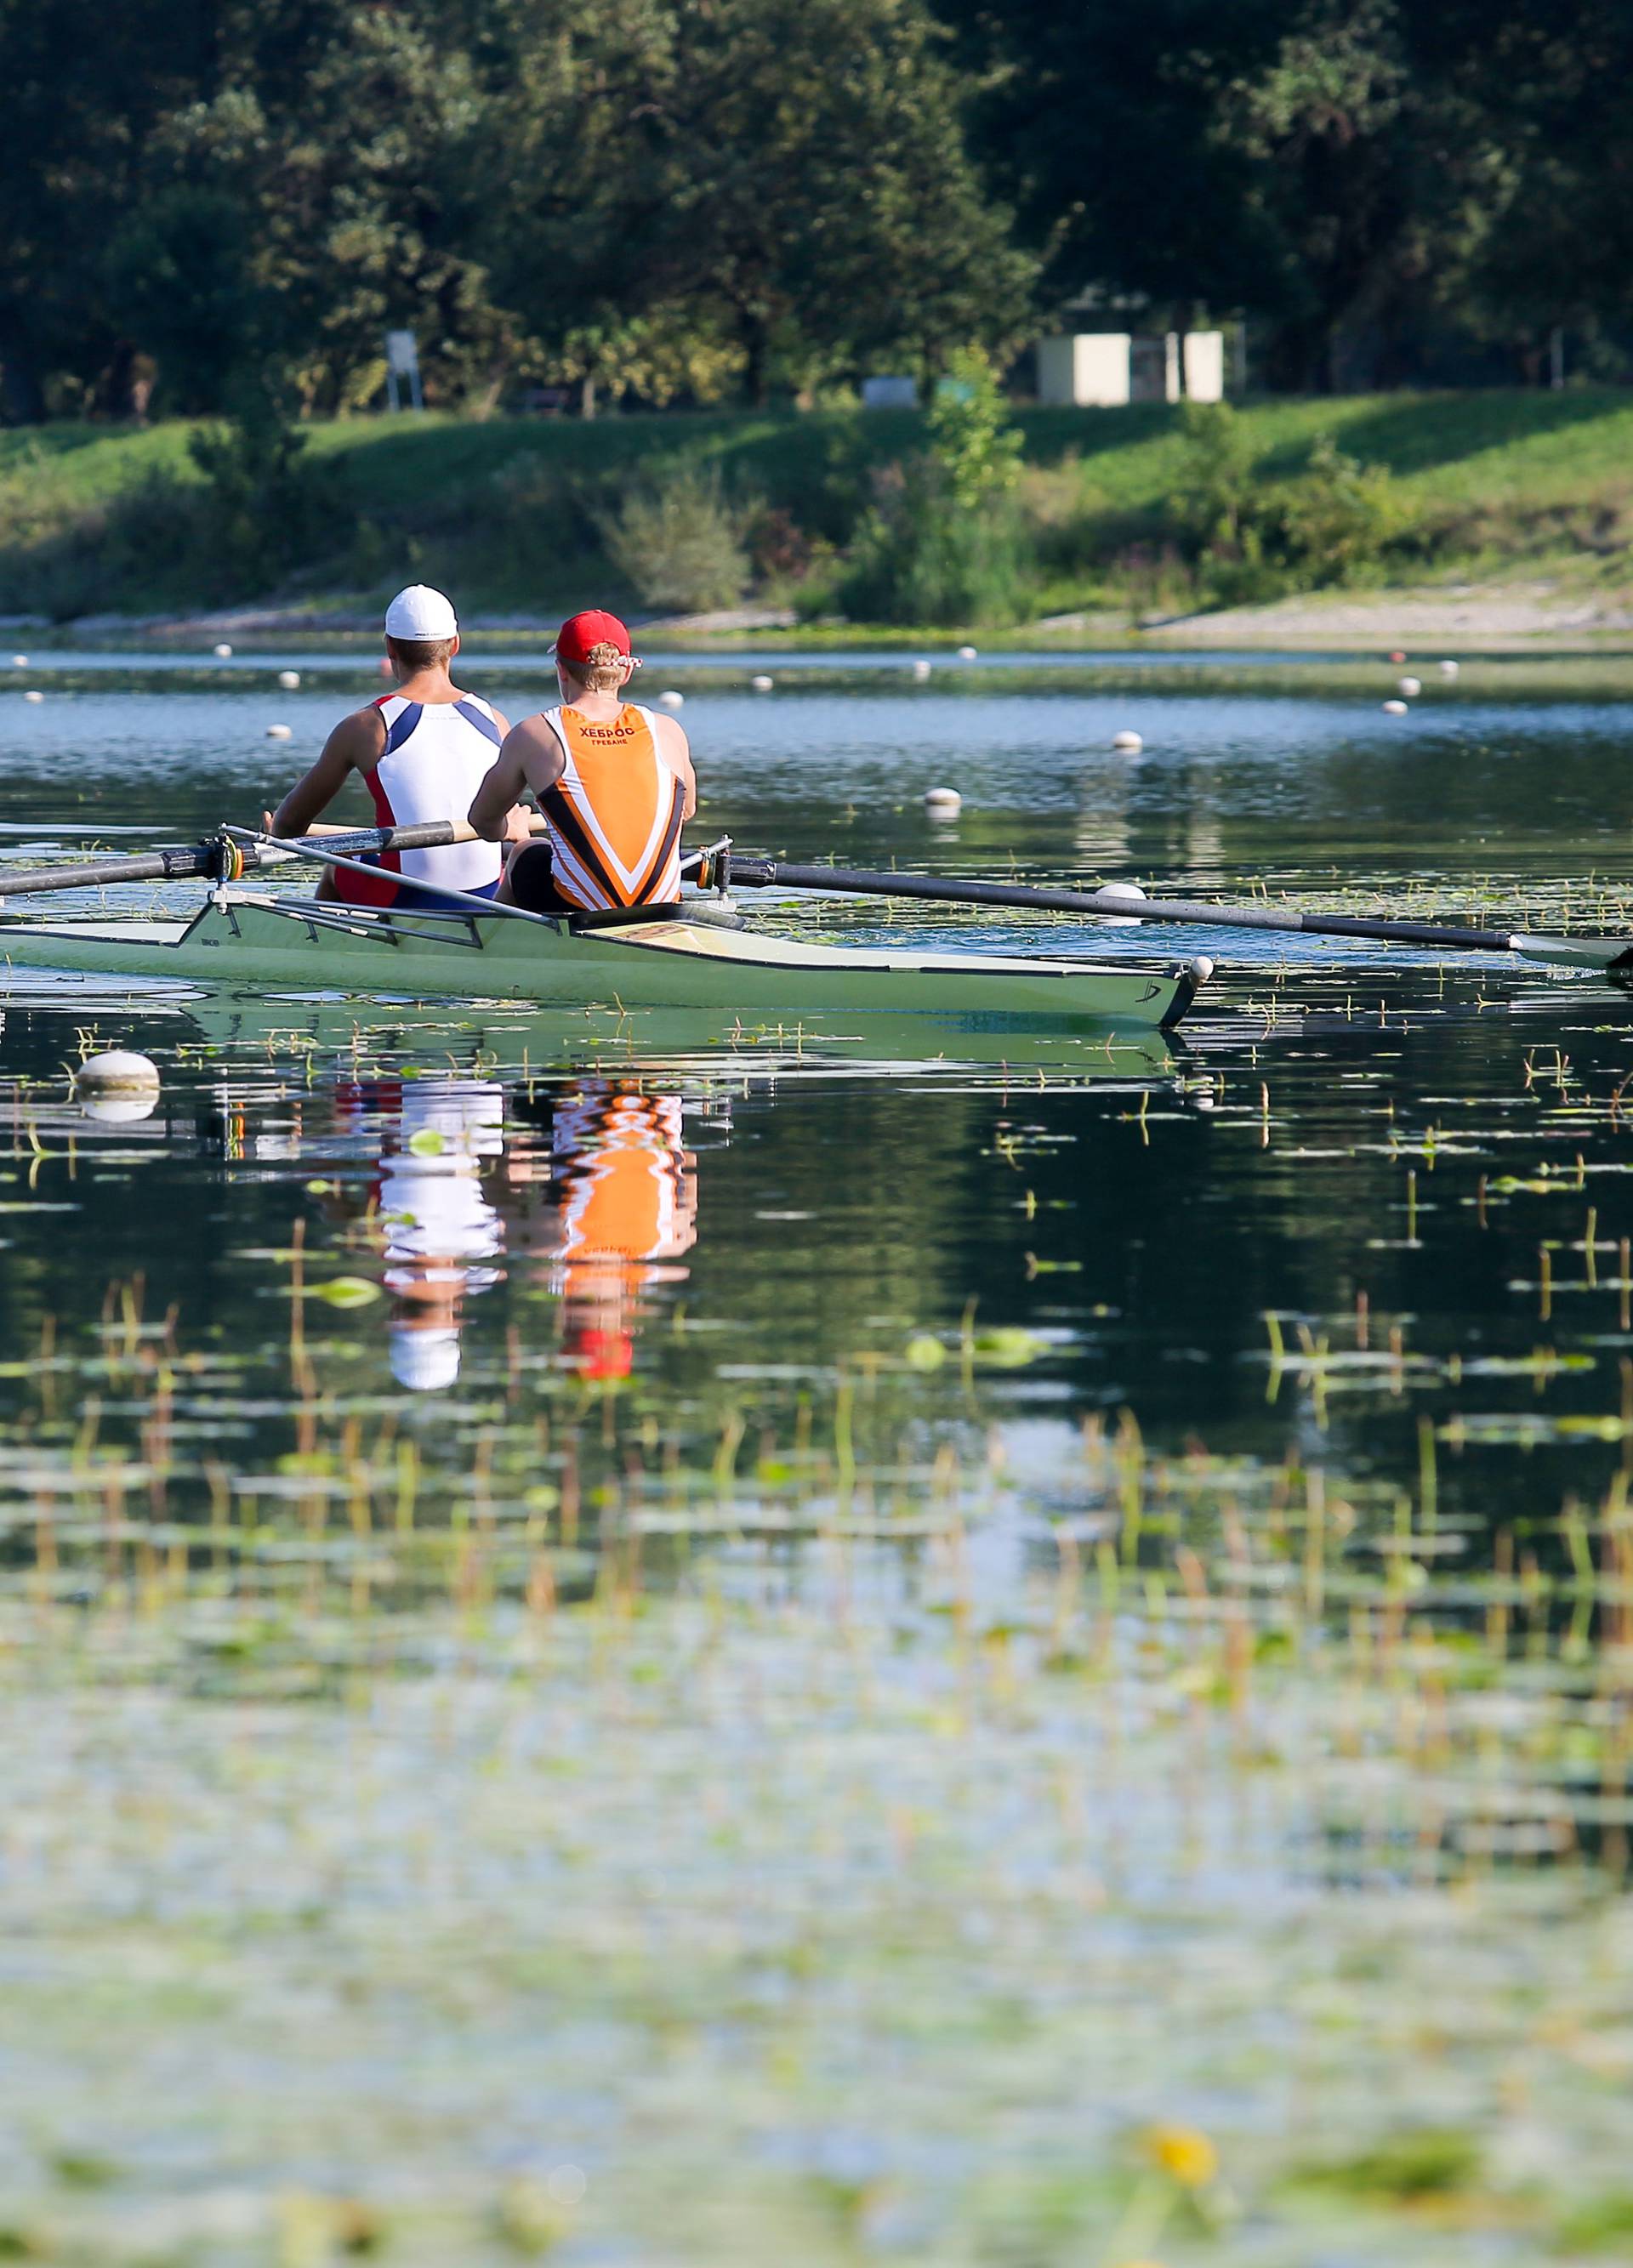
<point x="1373" y="1151"/>
<point x="1092" y="1723"/>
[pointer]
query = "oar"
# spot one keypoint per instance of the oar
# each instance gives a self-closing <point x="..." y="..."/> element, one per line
<point x="223" y="858"/>
<point x="764" y="873"/>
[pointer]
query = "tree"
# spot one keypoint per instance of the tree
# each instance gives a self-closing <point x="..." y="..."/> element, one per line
<point x="1307" y="162"/>
<point x="822" y="192"/>
<point x="1557" y="243"/>
<point x="85" y="88"/>
<point x="1104" y="126"/>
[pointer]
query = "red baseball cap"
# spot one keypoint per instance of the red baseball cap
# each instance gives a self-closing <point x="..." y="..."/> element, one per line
<point x="581" y="634"/>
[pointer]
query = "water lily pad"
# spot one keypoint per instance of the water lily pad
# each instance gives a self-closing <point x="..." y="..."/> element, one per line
<point x="347" y="1291"/>
<point x="1009" y="1347"/>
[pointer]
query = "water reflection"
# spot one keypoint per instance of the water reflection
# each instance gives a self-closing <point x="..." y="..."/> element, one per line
<point x="587" y="1191"/>
<point x="619" y="1206"/>
<point x="437" y="1231"/>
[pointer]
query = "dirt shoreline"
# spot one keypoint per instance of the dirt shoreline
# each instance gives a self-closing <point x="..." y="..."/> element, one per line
<point x="1537" y="616"/>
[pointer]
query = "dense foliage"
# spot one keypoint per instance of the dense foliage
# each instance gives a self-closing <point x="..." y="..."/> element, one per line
<point x="1393" y="191"/>
<point x="702" y="199"/>
<point x="672" y="198"/>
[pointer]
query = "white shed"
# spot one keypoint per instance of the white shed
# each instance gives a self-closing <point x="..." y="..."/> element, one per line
<point x="1105" y="369"/>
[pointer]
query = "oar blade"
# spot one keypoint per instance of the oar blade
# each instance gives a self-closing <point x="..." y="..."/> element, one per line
<point x="1612" y="956"/>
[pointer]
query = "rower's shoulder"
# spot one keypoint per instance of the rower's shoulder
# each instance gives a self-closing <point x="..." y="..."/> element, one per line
<point x="362" y="733"/>
<point x="669" y="735"/>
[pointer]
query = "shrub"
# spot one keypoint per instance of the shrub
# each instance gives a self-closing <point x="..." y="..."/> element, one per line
<point x="944" y="541"/>
<point x="919" y="558"/>
<point x="1214" y="496"/>
<point x="678" y="543"/>
<point x="265" y="511"/>
<point x="1248" y="537"/>
<point x="1339" y="518"/>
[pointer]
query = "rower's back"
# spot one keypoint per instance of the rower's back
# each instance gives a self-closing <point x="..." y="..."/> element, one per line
<point x="439" y="742"/>
<point x="615" y="812"/>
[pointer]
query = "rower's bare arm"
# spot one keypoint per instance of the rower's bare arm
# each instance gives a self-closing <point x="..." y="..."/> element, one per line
<point x="355" y="745"/>
<point x="678" y="748"/>
<point x="520" y="824"/>
<point x="529" y="757"/>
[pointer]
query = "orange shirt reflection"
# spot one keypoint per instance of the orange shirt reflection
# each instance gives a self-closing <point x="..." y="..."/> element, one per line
<point x="621" y="1208"/>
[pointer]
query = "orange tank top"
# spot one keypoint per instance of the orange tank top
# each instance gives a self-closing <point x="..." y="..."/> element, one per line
<point x="615" y="813"/>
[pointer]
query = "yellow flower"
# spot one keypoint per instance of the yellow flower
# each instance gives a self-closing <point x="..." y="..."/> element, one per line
<point x="1185" y="2152"/>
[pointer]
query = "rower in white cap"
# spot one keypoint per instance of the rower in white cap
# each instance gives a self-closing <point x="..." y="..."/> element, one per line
<point x="421" y="752"/>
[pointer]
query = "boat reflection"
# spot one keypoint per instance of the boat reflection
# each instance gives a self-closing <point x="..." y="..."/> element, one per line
<point x="524" y="1163"/>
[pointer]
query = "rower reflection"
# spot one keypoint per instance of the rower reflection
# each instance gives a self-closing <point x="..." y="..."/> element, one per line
<point x="439" y="1232"/>
<point x="619" y="1206"/>
<point x="590" y="1181"/>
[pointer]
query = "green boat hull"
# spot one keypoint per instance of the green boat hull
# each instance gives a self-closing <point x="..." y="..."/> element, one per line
<point x="251" y="943"/>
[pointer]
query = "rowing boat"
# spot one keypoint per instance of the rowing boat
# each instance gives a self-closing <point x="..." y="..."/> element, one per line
<point x="242" y="939"/>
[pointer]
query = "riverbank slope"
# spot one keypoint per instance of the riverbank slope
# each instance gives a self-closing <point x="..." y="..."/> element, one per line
<point x="1518" y="507"/>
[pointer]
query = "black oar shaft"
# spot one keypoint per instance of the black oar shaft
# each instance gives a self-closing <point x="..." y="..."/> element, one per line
<point x="161" y="866"/>
<point x="761" y="874"/>
<point x="191" y="860"/>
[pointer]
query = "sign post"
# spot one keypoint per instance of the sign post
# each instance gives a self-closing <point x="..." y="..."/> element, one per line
<point x="402" y="362"/>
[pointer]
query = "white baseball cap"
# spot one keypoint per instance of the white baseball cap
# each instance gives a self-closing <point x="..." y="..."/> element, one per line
<point x="419" y="612"/>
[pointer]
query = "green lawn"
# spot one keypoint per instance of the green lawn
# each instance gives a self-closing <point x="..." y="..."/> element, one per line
<point x="510" y="506"/>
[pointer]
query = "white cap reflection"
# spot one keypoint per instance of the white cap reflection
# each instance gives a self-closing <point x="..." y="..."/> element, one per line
<point x="439" y="1229"/>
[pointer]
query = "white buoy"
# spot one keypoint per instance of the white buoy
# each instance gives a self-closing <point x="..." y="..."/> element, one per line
<point x="1130" y="890"/>
<point x="761" y="684"/>
<point x="921" y="670"/>
<point x="1128" y="744"/>
<point x="1394" y="709"/>
<point x="1448" y="669"/>
<point x="119" y="1071"/>
<point x="966" y="653"/>
<point x="1409" y="687"/>
<point x="289" y="680"/>
<point x="31" y="695"/>
<point x="942" y="802"/>
<point x="671" y="699"/>
<point x="222" y="652"/>
<point x="119" y="1107"/>
<point x="19" y="661"/>
<point x="277" y="731"/>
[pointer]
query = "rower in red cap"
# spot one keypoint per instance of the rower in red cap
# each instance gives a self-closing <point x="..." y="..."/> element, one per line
<point x="614" y="782"/>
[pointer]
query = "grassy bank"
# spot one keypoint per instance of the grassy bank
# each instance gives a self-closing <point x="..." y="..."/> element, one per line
<point x="515" y="514"/>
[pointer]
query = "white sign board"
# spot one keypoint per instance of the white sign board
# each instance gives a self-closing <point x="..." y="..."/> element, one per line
<point x="403" y="361"/>
<point x="890" y="394"/>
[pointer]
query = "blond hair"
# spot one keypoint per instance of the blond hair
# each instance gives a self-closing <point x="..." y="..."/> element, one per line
<point x="601" y="670"/>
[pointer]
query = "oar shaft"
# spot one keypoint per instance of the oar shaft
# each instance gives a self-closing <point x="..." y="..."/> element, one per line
<point x="190" y="860"/>
<point x="761" y="874"/>
<point x="161" y="866"/>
